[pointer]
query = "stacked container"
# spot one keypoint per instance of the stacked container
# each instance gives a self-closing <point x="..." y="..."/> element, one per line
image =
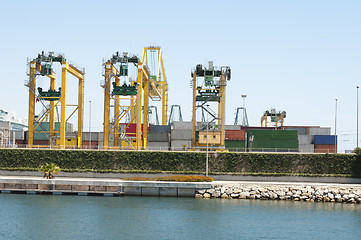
<point x="235" y="140"/>
<point x="158" y="137"/>
<point x="181" y="136"/>
<point x="325" y="143"/>
<point x="272" y="140"/>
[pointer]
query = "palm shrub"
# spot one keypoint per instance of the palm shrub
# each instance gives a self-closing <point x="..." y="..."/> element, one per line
<point x="49" y="169"/>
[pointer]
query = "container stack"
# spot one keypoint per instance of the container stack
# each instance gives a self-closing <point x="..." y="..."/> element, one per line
<point x="325" y="143"/>
<point x="272" y="140"/>
<point x="158" y="137"/>
<point x="181" y="136"/>
<point x="235" y="138"/>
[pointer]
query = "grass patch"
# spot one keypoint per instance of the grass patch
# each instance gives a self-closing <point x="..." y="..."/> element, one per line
<point x="181" y="178"/>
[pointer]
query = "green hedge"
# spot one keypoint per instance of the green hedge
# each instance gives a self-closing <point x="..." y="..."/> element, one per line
<point x="105" y="161"/>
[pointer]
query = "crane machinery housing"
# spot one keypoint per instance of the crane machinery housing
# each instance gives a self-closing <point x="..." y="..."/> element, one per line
<point x="275" y="118"/>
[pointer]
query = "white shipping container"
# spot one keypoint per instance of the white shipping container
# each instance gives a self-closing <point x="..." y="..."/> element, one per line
<point x="306" y="148"/>
<point x="177" y="134"/>
<point x="232" y="127"/>
<point x="160" y="146"/>
<point x="182" y="125"/>
<point x="319" y="131"/>
<point x="304" y="139"/>
<point x="179" y="145"/>
<point x="94" y="136"/>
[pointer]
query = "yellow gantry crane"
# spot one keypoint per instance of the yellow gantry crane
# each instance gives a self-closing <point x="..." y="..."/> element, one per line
<point x="275" y="118"/>
<point x="43" y="66"/>
<point x="137" y="92"/>
<point x="211" y="90"/>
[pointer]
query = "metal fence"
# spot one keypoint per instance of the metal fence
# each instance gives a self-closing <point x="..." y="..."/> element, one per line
<point x="166" y="148"/>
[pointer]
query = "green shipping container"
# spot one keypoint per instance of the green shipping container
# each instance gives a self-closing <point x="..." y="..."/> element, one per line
<point x="275" y="145"/>
<point x="263" y="135"/>
<point x="235" y="145"/>
<point x="44" y="126"/>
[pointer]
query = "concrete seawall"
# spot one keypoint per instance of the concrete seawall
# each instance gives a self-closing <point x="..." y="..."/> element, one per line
<point x="83" y="186"/>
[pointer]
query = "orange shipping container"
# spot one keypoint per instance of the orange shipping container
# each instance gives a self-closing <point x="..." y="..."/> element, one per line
<point x="235" y="135"/>
<point x="322" y="148"/>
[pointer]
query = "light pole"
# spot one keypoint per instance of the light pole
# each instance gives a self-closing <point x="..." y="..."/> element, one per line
<point x="244" y="109"/>
<point x="357" y="87"/>
<point x="90" y="124"/>
<point x="207" y="146"/>
<point x="335" y="125"/>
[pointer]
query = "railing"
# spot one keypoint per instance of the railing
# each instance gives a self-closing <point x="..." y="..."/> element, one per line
<point x="86" y="146"/>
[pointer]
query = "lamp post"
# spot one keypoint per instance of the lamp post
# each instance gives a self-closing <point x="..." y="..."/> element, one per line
<point x="335" y="125"/>
<point x="357" y="87"/>
<point x="207" y="146"/>
<point x="90" y="123"/>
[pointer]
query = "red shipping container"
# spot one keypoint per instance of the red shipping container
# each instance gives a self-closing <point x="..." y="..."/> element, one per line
<point x="41" y="142"/>
<point x="235" y="135"/>
<point x="131" y="129"/>
<point x="322" y="148"/>
<point x="94" y="145"/>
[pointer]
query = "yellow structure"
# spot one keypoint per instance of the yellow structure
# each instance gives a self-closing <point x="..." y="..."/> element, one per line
<point x="275" y="118"/>
<point x="137" y="92"/>
<point x="43" y="66"/>
<point x="211" y="90"/>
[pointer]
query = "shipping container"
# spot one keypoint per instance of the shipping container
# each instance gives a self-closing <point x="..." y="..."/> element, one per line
<point x="131" y="128"/>
<point x="306" y="148"/>
<point x="44" y="126"/>
<point x="262" y="135"/>
<point x="232" y="127"/>
<point x="181" y="134"/>
<point x="19" y="135"/>
<point x="325" y="139"/>
<point x="160" y="146"/>
<point x="325" y="148"/>
<point x="300" y="130"/>
<point x="304" y="139"/>
<point x="94" y="145"/>
<point x="158" y="137"/>
<point x="41" y="142"/>
<point x="182" y="125"/>
<point x="274" y="145"/>
<point x="235" y="135"/>
<point x="180" y="145"/>
<point x="235" y="145"/>
<point x="159" y="128"/>
<point x="94" y="136"/>
<point x="319" y="131"/>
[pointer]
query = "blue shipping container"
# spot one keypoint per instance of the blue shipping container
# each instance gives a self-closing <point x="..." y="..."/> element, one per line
<point x="325" y="139"/>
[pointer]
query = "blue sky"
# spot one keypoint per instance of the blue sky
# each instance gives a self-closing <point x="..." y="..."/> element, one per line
<point x="295" y="56"/>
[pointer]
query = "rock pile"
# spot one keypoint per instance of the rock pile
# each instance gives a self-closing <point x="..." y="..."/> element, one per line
<point x="295" y="193"/>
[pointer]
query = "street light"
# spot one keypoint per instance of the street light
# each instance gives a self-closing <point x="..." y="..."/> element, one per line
<point x="335" y="125"/>
<point x="207" y="145"/>
<point x="357" y="87"/>
<point x="90" y="122"/>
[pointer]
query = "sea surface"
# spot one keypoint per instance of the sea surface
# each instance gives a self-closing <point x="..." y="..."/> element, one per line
<point x="84" y="217"/>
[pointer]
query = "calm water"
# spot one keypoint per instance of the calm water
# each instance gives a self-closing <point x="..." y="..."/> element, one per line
<point x="81" y="217"/>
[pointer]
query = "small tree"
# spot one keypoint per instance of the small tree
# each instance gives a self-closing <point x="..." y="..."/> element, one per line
<point x="49" y="169"/>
